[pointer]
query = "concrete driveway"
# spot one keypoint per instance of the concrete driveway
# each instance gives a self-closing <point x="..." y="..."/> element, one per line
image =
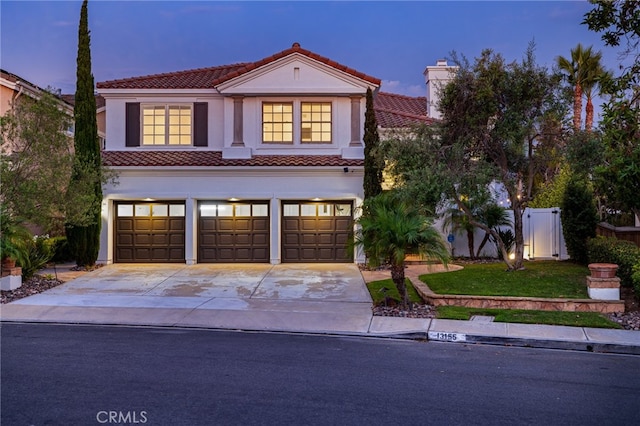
<point x="286" y="297"/>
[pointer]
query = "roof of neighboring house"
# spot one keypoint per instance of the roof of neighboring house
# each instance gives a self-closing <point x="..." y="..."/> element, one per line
<point x="14" y="78"/>
<point x="71" y="99"/>
<point x="203" y="78"/>
<point x="393" y="111"/>
<point x="214" y="159"/>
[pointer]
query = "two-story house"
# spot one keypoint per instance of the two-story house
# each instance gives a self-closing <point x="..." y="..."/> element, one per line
<point x="250" y="162"/>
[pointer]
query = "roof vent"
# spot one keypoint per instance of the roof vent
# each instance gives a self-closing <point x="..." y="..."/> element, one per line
<point x="441" y="63"/>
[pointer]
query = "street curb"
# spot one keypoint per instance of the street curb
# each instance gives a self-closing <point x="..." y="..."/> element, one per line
<point x="596" y="347"/>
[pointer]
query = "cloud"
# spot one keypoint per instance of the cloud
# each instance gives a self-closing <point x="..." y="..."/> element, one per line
<point x="397" y="87"/>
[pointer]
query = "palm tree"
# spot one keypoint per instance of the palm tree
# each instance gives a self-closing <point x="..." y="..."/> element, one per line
<point x="457" y="221"/>
<point x="596" y="74"/>
<point x="391" y="228"/>
<point x="583" y="71"/>
<point x="494" y="216"/>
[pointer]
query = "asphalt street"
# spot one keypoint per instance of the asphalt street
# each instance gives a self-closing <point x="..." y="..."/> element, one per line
<point x="83" y="375"/>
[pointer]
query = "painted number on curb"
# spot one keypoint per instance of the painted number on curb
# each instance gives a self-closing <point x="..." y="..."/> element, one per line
<point x="447" y="337"/>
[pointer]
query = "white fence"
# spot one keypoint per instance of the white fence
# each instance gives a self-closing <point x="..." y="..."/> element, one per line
<point x="542" y="232"/>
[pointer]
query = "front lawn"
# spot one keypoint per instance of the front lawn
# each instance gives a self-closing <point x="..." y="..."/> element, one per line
<point x="543" y="278"/>
<point x="390" y="290"/>
<point x="573" y="319"/>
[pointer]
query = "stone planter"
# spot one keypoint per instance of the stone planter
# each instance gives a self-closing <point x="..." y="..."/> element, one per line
<point x="603" y="283"/>
<point x="603" y="270"/>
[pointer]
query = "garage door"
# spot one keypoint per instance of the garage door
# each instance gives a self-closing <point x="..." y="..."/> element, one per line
<point x="233" y="232"/>
<point x="149" y="232"/>
<point x="316" y="232"/>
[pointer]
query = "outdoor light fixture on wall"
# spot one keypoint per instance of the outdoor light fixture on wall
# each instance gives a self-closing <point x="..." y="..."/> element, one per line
<point x="346" y="170"/>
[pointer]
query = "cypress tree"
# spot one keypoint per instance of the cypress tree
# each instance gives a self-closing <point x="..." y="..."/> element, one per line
<point x="372" y="168"/>
<point x="84" y="238"/>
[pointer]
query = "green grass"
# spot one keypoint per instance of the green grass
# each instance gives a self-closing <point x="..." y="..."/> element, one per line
<point x="574" y="319"/>
<point x="551" y="279"/>
<point x="375" y="289"/>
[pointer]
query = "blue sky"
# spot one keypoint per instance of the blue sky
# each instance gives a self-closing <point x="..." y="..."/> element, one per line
<point x="393" y="41"/>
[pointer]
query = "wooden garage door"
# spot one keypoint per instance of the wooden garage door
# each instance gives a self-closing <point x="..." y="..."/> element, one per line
<point x="233" y="232"/>
<point x="149" y="232"/>
<point x="317" y="232"/>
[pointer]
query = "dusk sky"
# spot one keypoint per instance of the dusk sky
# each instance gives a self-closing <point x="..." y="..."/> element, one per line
<point x="393" y="41"/>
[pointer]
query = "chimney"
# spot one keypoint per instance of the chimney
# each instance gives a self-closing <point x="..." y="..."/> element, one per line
<point x="436" y="77"/>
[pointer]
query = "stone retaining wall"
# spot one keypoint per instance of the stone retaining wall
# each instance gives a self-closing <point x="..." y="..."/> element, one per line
<point x="502" y="302"/>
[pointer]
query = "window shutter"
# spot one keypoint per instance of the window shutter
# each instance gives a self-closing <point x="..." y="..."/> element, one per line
<point x="200" y="123"/>
<point x="132" y="127"/>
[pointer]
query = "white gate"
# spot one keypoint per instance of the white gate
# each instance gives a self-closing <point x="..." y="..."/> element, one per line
<point x="541" y="230"/>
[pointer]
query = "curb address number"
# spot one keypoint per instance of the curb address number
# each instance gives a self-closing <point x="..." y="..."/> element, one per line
<point x="447" y="337"/>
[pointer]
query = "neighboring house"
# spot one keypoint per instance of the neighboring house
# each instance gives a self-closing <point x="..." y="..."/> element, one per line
<point x="13" y="88"/>
<point x="101" y="116"/>
<point x="249" y="162"/>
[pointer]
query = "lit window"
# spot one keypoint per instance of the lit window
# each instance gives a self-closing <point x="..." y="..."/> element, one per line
<point x="166" y="125"/>
<point x="315" y="123"/>
<point x="277" y="123"/>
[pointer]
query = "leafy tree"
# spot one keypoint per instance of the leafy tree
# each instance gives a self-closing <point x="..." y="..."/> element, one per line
<point x="84" y="240"/>
<point x="36" y="160"/>
<point x="372" y="167"/>
<point x="391" y="228"/>
<point x="493" y="115"/>
<point x="583" y="71"/>
<point x="618" y="22"/>
<point x="579" y="218"/>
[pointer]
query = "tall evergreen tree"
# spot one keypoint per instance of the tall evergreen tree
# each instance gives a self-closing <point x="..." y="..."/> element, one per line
<point x="84" y="239"/>
<point x="372" y="168"/>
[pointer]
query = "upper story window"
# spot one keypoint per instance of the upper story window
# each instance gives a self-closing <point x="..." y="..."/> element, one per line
<point x="297" y="122"/>
<point x="277" y="122"/>
<point x="315" y="122"/>
<point x="166" y="124"/>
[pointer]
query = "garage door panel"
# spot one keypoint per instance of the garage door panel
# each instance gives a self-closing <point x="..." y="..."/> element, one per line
<point x="225" y="225"/>
<point x="343" y="224"/>
<point x="141" y="225"/>
<point x="243" y="225"/>
<point x="308" y="225"/>
<point x="307" y="239"/>
<point x="260" y="239"/>
<point x="291" y="224"/>
<point x="243" y="239"/>
<point x="176" y="224"/>
<point x="260" y="224"/>
<point x="326" y="239"/>
<point x="142" y="239"/>
<point x="124" y="239"/>
<point x="207" y="225"/>
<point x="342" y="238"/>
<point x="124" y="224"/>
<point x="225" y="239"/>
<point x="325" y="225"/>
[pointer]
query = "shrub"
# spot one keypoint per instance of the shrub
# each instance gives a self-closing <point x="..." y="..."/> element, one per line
<point x="625" y="254"/>
<point x="579" y="219"/>
<point x="39" y="252"/>
<point x="508" y="239"/>
<point x="635" y="277"/>
<point x="61" y="251"/>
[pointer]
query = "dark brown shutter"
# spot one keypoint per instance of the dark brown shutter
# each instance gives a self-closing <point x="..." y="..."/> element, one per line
<point x="132" y="127"/>
<point x="200" y="123"/>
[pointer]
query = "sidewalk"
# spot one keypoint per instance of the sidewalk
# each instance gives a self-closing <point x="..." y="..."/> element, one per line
<point x="317" y="316"/>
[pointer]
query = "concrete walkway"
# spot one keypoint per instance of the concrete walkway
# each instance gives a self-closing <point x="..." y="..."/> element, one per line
<point x="304" y="298"/>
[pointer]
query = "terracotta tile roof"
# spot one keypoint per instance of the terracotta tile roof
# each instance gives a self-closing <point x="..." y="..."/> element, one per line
<point x="295" y="48"/>
<point x="393" y="111"/>
<point x="214" y="159"/>
<point x="204" y="78"/>
<point x="71" y="100"/>
<point x="200" y="78"/>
